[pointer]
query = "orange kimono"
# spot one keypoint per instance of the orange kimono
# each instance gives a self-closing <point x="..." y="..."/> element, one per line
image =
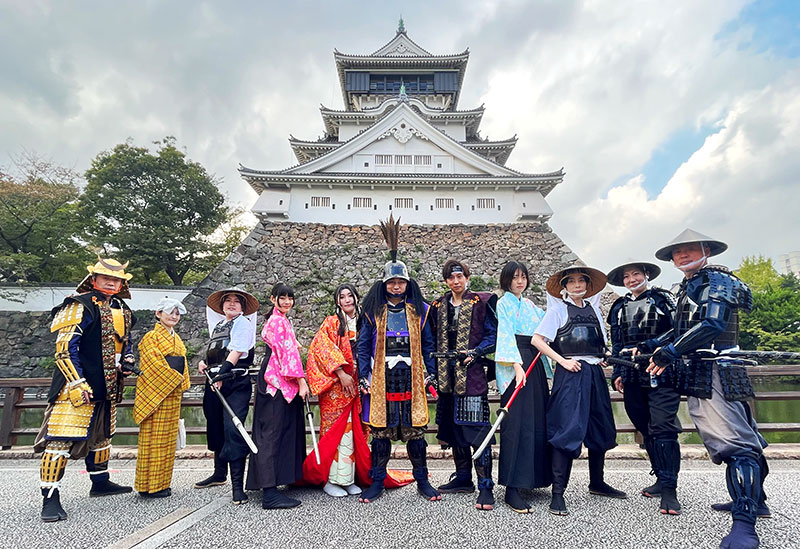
<point x="344" y="453"/>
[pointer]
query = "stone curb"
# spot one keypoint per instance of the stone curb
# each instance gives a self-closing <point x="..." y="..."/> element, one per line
<point x="623" y="451"/>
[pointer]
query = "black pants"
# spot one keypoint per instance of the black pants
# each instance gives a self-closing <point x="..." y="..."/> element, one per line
<point x="653" y="411"/>
<point x="221" y="434"/>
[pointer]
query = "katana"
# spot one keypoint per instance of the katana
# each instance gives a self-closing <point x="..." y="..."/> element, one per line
<point x="503" y="412"/>
<point x="236" y="421"/>
<point x="713" y="354"/>
<point x="310" y="418"/>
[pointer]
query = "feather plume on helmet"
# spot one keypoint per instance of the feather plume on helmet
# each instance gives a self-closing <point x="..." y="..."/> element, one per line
<point x="391" y="235"/>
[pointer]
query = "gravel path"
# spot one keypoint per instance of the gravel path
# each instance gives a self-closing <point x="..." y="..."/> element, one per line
<point x="205" y="518"/>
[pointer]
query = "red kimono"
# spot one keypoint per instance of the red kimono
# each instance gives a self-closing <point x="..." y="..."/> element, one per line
<point x="338" y="412"/>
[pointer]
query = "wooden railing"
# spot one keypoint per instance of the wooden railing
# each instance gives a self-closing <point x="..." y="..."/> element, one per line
<point x="14" y="403"/>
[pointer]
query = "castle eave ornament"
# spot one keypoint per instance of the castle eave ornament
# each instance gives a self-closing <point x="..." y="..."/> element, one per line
<point x="403" y="133"/>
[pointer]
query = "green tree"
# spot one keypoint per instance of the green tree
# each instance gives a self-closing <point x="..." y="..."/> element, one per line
<point x="38" y="223"/>
<point x="774" y="321"/>
<point x="156" y="209"/>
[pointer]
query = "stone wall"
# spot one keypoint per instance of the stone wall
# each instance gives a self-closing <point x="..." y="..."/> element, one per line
<point x="315" y="258"/>
<point x="29" y="345"/>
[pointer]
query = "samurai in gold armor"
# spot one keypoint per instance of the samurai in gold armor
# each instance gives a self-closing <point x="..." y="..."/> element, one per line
<point x="93" y="347"/>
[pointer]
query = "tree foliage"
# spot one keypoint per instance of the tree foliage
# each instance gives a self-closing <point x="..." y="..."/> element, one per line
<point x="774" y="322"/>
<point x="38" y="224"/>
<point x="156" y="209"/>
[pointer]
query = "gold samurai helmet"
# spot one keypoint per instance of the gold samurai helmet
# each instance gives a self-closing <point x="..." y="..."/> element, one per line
<point x="107" y="267"/>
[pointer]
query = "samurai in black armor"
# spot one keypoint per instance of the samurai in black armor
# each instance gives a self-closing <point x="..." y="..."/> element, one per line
<point x="229" y="354"/>
<point x="639" y="321"/>
<point x="707" y="317"/>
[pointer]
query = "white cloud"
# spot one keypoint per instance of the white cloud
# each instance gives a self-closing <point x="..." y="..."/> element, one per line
<point x="595" y="87"/>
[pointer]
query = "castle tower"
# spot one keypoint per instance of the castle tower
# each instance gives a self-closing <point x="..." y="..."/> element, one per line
<point x="400" y="146"/>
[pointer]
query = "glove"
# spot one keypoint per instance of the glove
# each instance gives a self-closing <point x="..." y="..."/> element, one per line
<point x="645" y="347"/>
<point x="76" y="390"/>
<point x="661" y="359"/>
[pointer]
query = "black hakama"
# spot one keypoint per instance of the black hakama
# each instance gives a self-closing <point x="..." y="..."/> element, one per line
<point x="280" y="435"/>
<point x="580" y="411"/>
<point x="524" y="453"/>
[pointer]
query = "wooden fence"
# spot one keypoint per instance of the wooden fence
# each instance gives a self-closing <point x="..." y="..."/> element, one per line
<point x="14" y="403"/>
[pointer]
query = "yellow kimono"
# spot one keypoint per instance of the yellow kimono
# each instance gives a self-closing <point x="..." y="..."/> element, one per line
<point x="157" y="408"/>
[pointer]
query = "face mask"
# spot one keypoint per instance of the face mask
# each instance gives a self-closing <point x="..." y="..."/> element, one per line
<point x="103" y="290"/>
<point x="642" y="284"/>
<point x="575" y="295"/>
<point x="695" y="264"/>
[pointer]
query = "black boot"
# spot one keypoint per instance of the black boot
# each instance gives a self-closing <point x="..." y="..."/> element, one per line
<point x="381" y="448"/>
<point x="654" y="490"/>
<point x="762" y="511"/>
<point x="101" y="482"/>
<point x="272" y="499"/>
<point x="237" y="481"/>
<point x="483" y="468"/>
<point x="562" y="466"/>
<point x="461" y="480"/>
<point x="419" y="462"/>
<point x="51" y="506"/>
<point x="597" y="485"/>
<point x="743" y="477"/>
<point x="667" y="456"/>
<point x="218" y="477"/>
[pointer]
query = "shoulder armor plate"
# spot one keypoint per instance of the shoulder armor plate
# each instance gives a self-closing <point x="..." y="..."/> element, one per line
<point x="69" y="315"/>
<point x="728" y="288"/>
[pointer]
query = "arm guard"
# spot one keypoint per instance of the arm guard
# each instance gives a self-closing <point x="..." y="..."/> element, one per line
<point x="702" y="334"/>
<point x="67" y="323"/>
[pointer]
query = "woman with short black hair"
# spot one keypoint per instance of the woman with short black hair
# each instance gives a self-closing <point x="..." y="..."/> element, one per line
<point x="524" y="455"/>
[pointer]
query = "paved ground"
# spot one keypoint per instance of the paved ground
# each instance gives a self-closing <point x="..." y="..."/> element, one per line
<point x="205" y="518"/>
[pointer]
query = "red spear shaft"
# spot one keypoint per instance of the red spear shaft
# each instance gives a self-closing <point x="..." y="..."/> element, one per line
<point x="503" y="412"/>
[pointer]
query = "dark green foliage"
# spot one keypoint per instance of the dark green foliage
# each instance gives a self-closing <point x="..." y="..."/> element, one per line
<point x="38" y="224"/>
<point x="774" y="322"/>
<point x="155" y="209"/>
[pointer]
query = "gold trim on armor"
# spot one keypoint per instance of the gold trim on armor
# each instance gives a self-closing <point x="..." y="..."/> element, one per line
<point x="102" y="455"/>
<point x="63" y="360"/>
<point x="118" y="316"/>
<point x="68" y="421"/>
<point x="69" y="315"/>
<point x="51" y="469"/>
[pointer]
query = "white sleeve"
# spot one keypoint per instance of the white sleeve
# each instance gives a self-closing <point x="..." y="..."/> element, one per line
<point x="241" y="336"/>
<point x="552" y="321"/>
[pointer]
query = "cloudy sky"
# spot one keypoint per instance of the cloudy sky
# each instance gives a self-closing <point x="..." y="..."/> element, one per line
<point x="663" y="114"/>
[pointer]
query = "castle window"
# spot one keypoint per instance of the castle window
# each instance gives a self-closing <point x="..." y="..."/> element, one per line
<point x="383" y="159"/>
<point x="320" y="201"/>
<point x="404" y="203"/>
<point x="445" y="203"/>
<point x="362" y="202"/>
<point x="439" y="165"/>
<point x="403" y="159"/>
<point x="422" y="160"/>
<point x="485" y="203"/>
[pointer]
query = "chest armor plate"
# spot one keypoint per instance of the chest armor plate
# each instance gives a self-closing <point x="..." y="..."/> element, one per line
<point x="640" y="320"/>
<point x="397" y="338"/>
<point x="581" y="335"/>
<point x="689" y="313"/>
<point x="217" y="350"/>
